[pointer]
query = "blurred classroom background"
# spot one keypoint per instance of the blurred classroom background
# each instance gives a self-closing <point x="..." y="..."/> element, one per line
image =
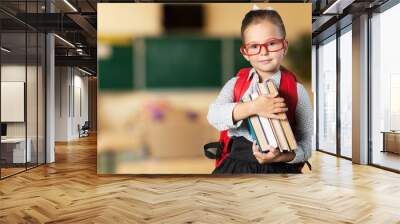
<point x="160" y="66"/>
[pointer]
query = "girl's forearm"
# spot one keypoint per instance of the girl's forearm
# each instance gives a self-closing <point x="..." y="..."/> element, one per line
<point x="285" y="157"/>
<point x="242" y="111"/>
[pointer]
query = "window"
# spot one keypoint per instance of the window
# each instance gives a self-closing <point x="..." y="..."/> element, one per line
<point x="22" y="77"/>
<point x="327" y="95"/>
<point x="346" y="74"/>
<point x="385" y="88"/>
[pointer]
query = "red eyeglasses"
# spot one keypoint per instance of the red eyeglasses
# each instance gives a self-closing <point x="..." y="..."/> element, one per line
<point x="271" y="45"/>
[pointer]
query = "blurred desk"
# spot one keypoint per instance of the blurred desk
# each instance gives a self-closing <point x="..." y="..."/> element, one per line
<point x="194" y="165"/>
<point x="391" y="141"/>
<point x="15" y="148"/>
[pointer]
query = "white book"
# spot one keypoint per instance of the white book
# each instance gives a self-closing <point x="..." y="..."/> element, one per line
<point x="267" y="126"/>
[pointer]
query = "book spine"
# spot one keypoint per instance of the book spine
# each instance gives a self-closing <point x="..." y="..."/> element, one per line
<point x="261" y="138"/>
<point x="251" y="130"/>
<point x="274" y="123"/>
<point x="270" y="87"/>
<point x="250" y="127"/>
<point x="287" y="132"/>
<point x="268" y="130"/>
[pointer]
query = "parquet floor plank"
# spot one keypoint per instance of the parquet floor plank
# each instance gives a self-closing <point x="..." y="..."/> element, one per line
<point x="70" y="191"/>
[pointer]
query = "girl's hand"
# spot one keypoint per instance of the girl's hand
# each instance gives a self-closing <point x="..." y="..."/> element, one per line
<point x="269" y="107"/>
<point x="267" y="157"/>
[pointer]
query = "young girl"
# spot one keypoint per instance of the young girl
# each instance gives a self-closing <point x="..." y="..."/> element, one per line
<point x="264" y="46"/>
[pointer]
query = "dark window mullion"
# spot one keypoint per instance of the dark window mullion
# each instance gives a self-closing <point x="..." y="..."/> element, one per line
<point x="26" y="87"/>
<point x="316" y="97"/>
<point x="338" y="98"/>
<point x="37" y="90"/>
<point x="369" y="100"/>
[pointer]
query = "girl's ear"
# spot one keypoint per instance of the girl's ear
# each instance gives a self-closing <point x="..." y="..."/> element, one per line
<point x="245" y="56"/>
<point x="286" y="47"/>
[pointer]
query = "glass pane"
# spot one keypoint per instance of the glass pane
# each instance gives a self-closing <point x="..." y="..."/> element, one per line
<point x="346" y="94"/>
<point x="31" y="85"/>
<point x="327" y="96"/>
<point x="385" y="86"/>
<point x="13" y="86"/>
<point x="22" y="74"/>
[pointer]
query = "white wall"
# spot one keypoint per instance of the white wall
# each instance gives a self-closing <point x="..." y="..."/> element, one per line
<point x="80" y="94"/>
<point x="70" y="83"/>
<point x="82" y="82"/>
<point x="33" y="127"/>
<point x="62" y="81"/>
<point x="14" y="73"/>
<point x="11" y="73"/>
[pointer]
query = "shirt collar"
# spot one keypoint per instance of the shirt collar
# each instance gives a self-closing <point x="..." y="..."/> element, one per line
<point x="275" y="77"/>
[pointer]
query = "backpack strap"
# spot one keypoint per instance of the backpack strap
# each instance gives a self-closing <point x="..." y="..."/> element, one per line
<point x="241" y="85"/>
<point x="288" y="90"/>
<point x="224" y="140"/>
<point x="309" y="165"/>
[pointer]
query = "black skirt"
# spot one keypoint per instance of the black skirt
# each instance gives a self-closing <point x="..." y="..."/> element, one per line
<point x="241" y="160"/>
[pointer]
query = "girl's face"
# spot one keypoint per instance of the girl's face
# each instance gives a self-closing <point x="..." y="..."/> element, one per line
<point x="259" y="33"/>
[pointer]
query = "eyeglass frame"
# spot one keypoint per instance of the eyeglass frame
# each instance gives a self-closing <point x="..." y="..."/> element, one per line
<point x="282" y="40"/>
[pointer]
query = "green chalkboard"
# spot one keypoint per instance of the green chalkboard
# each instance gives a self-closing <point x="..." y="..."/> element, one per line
<point x="183" y="62"/>
<point x="116" y="72"/>
<point x="240" y="61"/>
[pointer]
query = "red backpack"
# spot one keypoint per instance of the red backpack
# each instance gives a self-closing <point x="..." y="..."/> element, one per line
<point x="287" y="90"/>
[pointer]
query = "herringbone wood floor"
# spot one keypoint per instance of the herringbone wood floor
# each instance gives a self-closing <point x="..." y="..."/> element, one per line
<point x="70" y="191"/>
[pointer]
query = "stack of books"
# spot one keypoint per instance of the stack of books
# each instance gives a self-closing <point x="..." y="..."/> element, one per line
<point x="274" y="132"/>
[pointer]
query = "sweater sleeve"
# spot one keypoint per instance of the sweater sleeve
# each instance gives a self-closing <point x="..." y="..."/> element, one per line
<point x="220" y="112"/>
<point x="304" y="128"/>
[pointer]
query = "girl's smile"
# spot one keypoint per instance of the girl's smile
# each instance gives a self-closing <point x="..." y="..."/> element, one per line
<point x="265" y="61"/>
